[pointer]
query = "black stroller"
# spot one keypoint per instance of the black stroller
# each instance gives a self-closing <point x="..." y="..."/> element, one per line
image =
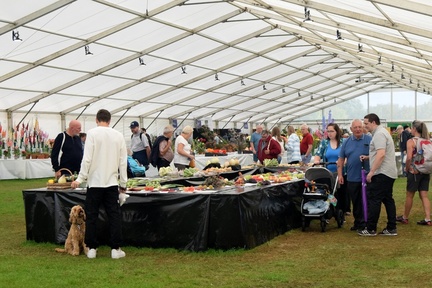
<point x="319" y="198"/>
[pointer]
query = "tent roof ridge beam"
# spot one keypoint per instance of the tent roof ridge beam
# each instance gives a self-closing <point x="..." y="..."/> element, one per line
<point x="35" y="15"/>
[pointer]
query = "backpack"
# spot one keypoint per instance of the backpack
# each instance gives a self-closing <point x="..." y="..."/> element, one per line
<point x="140" y="136"/>
<point x="422" y="160"/>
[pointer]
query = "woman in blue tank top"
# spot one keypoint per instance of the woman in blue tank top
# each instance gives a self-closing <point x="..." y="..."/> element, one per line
<point x="328" y="150"/>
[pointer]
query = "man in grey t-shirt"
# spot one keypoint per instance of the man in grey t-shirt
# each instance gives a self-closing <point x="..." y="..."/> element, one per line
<point x="139" y="145"/>
<point x="381" y="177"/>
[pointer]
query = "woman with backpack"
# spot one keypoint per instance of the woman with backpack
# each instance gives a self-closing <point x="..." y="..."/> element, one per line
<point x="416" y="180"/>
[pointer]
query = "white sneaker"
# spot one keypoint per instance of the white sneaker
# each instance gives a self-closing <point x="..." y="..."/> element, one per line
<point x="117" y="253"/>
<point x="91" y="253"/>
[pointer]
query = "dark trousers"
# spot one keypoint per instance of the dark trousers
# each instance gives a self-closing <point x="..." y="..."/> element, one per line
<point x="161" y="162"/>
<point x="380" y="190"/>
<point x="355" y="191"/>
<point x="141" y="156"/>
<point x="108" y="197"/>
<point x="343" y="197"/>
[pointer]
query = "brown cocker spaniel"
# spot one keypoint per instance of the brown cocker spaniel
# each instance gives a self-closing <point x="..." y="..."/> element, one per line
<point x="74" y="244"/>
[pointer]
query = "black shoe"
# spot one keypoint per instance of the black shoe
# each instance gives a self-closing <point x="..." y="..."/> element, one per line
<point x="389" y="232"/>
<point x="424" y="222"/>
<point x="366" y="232"/>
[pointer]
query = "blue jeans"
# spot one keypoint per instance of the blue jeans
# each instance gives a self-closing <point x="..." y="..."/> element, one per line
<point x="306" y="159"/>
<point x="380" y="190"/>
<point x="279" y="159"/>
<point x="255" y="157"/>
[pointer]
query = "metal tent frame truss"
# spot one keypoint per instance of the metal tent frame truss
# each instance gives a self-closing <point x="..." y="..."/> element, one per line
<point x="228" y="60"/>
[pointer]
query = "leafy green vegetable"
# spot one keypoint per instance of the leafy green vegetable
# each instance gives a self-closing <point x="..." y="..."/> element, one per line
<point x="189" y="172"/>
<point x="271" y="162"/>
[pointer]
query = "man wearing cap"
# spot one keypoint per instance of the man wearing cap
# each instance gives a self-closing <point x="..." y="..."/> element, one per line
<point x="139" y="145"/>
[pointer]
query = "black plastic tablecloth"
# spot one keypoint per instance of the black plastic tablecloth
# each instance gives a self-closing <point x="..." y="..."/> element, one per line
<point x="189" y="221"/>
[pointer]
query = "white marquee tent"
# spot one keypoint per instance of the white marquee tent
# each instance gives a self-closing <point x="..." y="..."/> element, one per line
<point x="224" y="60"/>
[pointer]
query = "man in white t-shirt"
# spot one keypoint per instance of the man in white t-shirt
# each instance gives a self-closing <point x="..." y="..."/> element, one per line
<point x="139" y="145"/>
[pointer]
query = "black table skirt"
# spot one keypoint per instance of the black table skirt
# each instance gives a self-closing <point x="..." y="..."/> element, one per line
<point x="189" y="221"/>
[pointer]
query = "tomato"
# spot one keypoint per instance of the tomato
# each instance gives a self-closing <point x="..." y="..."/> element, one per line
<point x="188" y="189"/>
<point x="149" y="188"/>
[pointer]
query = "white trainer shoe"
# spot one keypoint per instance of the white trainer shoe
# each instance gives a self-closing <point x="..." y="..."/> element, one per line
<point x="91" y="253"/>
<point x="117" y="253"/>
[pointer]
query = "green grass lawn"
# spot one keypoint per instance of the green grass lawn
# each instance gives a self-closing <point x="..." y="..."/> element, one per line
<point x="336" y="258"/>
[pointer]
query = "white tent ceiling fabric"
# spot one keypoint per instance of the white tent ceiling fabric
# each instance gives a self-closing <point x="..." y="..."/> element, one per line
<point x="231" y="60"/>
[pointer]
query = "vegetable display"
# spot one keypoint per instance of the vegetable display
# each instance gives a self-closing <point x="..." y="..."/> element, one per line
<point x="189" y="172"/>
<point x="271" y="162"/>
<point x="164" y="171"/>
<point x="215" y="181"/>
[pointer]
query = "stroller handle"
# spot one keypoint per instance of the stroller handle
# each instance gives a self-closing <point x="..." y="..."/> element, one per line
<point x="323" y="164"/>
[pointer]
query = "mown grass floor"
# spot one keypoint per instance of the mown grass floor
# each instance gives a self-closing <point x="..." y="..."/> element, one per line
<point x="336" y="258"/>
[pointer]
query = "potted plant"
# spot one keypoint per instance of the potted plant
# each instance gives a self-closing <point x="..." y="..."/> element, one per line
<point x="199" y="146"/>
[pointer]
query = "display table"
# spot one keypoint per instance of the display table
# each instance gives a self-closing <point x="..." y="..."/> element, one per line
<point x="191" y="221"/>
<point x="25" y="168"/>
<point x="244" y="159"/>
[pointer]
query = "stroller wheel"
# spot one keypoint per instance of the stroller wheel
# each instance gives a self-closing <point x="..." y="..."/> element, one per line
<point x="340" y="217"/>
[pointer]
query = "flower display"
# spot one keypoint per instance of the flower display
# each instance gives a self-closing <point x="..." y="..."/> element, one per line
<point x="23" y="138"/>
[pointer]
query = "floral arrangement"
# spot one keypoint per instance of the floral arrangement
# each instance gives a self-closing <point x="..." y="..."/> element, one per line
<point x="23" y="139"/>
<point x="199" y="145"/>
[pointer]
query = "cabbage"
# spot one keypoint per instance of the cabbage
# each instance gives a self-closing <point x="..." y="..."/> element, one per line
<point x="163" y="171"/>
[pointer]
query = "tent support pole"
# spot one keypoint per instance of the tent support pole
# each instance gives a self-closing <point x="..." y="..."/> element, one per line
<point x="31" y="108"/>
<point x="154" y="119"/>
<point x="121" y="117"/>
<point x="228" y="122"/>
<point x="275" y="124"/>
<point x="182" y="121"/>
<point x="286" y="127"/>
<point x="82" y="111"/>
<point x="264" y="121"/>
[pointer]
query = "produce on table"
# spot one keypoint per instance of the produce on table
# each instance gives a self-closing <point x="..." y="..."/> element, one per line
<point x="271" y="162"/>
<point x="188" y="189"/>
<point x="189" y="172"/>
<point x="240" y="180"/>
<point x="164" y="171"/>
<point x="234" y="161"/>
<point x="155" y="184"/>
<point x="264" y="182"/>
<point x="215" y="181"/>
<point x="62" y="179"/>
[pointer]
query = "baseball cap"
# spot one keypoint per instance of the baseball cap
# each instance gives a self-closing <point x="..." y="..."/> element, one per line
<point x="134" y="124"/>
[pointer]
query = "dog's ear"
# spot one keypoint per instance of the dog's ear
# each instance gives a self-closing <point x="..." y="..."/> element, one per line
<point x="73" y="215"/>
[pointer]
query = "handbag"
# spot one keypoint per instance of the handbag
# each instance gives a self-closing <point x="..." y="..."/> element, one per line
<point x="192" y="163"/>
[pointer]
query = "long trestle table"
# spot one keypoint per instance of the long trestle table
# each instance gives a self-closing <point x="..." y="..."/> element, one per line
<point x="190" y="221"/>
